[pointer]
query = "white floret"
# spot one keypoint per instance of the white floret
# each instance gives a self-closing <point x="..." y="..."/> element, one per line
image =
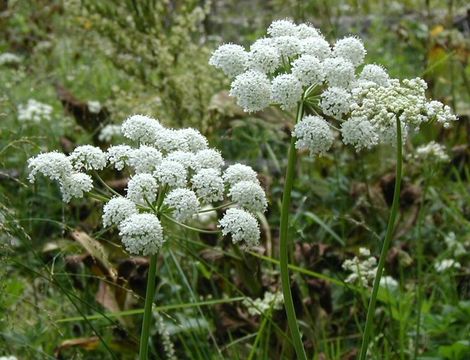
<point x="375" y="74"/>
<point x="239" y="172"/>
<point x="108" y="132"/>
<point x="183" y="202"/>
<point x="208" y="158"/>
<point x="313" y="133"/>
<point x="88" y="157"/>
<point x="141" y="128"/>
<point x="315" y="46"/>
<point x="119" y="155"/>
<point x="263" y="58"/>
<point x="230" y="58"/>
<point x="242" y="226"/>
<point x="305" y="31"/>
<point x="339" y="72"/>
<point x="145" y="159"/>
<point x="288" y="46"/>
<point x="141" y="234"/>
<point x="249" y="195"/>
<point x="208" y="185"/>
<point x="360" y="133"/>
<point x="142" y="188"/>
<point x="283" y="27"/>
<point x="252" y="90"/>
<point x="308" y="70"/>
<point x="335" y="102"/>
<point x="286" y="91"/>
<point x="75" y="185"/>
<point x="350" y="48"/>
<point x="34" y="111"/>
<point x="117" y="209"/>
<point x="53" y="165"/>
<point x="171" y="173"/>
<point x="183" y="157"/>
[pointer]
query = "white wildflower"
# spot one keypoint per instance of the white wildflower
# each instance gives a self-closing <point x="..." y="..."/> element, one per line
<point x="242" y="226"/>
<point x="117" y="209"/>
<point x="208" y="185"/>
<point x="183" y="202"/>
<point x="141" y="234"/>
<point x="183" y="157"/>
<point x="171" y="173"/>
<point x="75" y="185"/>
<point x="375" y="74"/>
<point x="145" y="159"/>
<point x="339" y="72"/>
<point x="432" y="151"/>
<point x="88" y="157"/>
<point x="239" y="172"/>
<point x="286" y="90"/>
<point x="263" y="58"/>
<point x="282" y="28"/>
<point x="208" y="158"/>
<point x="10" y="59"/>
<point x="252" y="90"/>
<point x="335" y="102"/>
<point x="360" y="133"/>
<point x="108" y="132"/>
<point x="249" y="195"/>
<point x="446" y="264"/>
<point x="230" y="58"/>
<point x="389" y="283"/>
<point x="305" y="31"/>
<point x="141" y="128"/>
<point x="453" y="245"/>
<point x="363" y="268"/>
<point x="53" y="165"/>
<point x="94" y="106"/>
<point x="271" y="301"/>
<point x="288" y="46"/>
<point x="442" y="113"/>
<point x="315" y="46"/>
<point x="119" y="155"/>
<point x="350" y="48"/>
<point x="308" y="70"/>
<point x="194" y="140"/>
<point x="313" y="133"/>
<point x="142" y="188"/>
<point x="34" y="111"/>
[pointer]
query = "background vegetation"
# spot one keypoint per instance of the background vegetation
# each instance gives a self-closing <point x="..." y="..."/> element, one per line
<point x="57" y="264"/>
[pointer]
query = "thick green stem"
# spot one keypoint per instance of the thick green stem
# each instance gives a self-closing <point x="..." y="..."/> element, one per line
<point x="385" y="246"/>
<point x="144" y="335"/>
<point x="284" y="246"/>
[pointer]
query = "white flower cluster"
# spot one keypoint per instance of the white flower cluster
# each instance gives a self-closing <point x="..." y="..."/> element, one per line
<point x="454" y="246"/>
<point x="363" y="268"/>
<point x="10" y="59"/>
<point x="108" y="132"/>
<point x="173" y="172"/>
<point x="295" y="63"/>
<point x="94" y="106"/>
<point x="34" y="111"/>
<point x="432" y="151"/>
<point x="270" y="301"/>
<point x="446" y="264"/>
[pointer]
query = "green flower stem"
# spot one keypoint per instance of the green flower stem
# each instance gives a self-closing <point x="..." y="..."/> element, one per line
<point x="150" y="294"/>
<point x="284" y="245"/>
<point x="192" y="228"/>
<point x="385" y="246"/>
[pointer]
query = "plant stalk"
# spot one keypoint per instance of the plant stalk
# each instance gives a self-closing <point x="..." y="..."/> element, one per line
<point x="386" y="244"/>
<point x="284" y="245"/>
<point x="150" y="293"/>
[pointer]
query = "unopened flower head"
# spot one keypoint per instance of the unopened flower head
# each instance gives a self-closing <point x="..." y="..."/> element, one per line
<point x="239" y="172"/>
<point x="339" y="72"/>
<point x="252" y="90"/>
<point x="75" y="185"/>
<point x="88" y="157"/>
<point x="145" y="159"/>
<point x="208" y="185"/>
<point x="171" y="173"/>
<point x="350" y="48"/>
<point x="249" y="195"/>
<point x="313" y="133"/>
<point x="53" y="165"/>
<point x="141" y="128"/>
<point x="34" y="111"/>
<point x="286" y="91"/>
<point x="142" y="188"/>
<point x="119" y="155"/>
<point x="335" y="102"/>
<point x="183" y="202"/>
<point x="308" y="70"/>
<point x="230" y="58"/>
<point x="242" y="226"/>
<point x="141" y="234"/>
<point x="118" y="209"/>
